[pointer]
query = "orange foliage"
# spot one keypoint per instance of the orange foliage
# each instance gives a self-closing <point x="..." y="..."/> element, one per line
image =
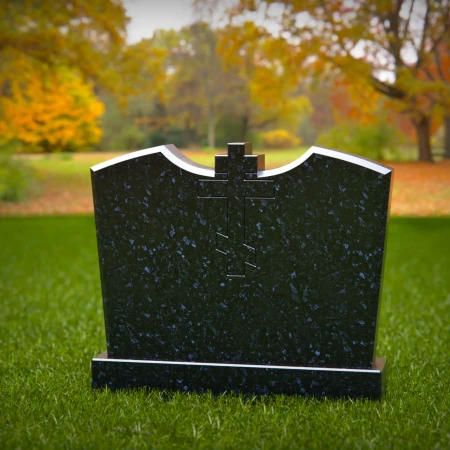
<point x="50" y="112"/>
<point x="435" y="78"/>
<point x="356" y="102"/>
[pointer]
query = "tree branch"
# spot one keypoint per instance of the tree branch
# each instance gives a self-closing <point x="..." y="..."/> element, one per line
<point x="422" y="42"/>
<point x="387" y="89"/>
<point x="405" y="29"/>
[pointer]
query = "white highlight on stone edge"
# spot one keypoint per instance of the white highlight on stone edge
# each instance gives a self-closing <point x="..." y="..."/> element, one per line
<point x="179" y="159"/>
<point x="170" y="152"/>
<point x="241" y="366"/>
<point x="349" y="157"/>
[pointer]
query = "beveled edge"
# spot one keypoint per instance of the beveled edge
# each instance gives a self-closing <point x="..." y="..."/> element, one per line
<point x="349" y="157"/>
<point x="169" y="151"/>
<point x="179" y="159"/>
<point x="378" y="365"/>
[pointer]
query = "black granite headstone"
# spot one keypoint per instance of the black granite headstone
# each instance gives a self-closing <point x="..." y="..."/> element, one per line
<point x="238" y="278"/>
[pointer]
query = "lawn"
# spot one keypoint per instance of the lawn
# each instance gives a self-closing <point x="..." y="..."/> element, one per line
<point x="64" y="187"/>
<point x="51" y="325"/>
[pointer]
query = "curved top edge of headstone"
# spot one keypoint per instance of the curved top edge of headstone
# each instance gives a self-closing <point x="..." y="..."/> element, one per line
<point x="179" y="159"/>
<point x="348" y="157"/>
<point x="169" y="151"/>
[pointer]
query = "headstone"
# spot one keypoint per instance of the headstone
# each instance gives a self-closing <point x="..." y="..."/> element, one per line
<point x="239" y="278"/>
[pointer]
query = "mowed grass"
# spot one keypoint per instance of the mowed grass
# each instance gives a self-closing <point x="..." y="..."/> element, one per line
<point x="51" y="325"/>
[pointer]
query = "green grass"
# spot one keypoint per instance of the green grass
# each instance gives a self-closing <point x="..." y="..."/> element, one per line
<point x="51" y="325"/>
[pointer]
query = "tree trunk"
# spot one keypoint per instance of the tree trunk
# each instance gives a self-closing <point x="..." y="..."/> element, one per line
<point x="423" y="138"/>
<point x="447" y="137"/>
<point x="211" y="130"/>
<point x="244" y="129"/>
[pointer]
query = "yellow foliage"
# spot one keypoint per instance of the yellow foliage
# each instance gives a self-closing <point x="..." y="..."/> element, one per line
<point x="353" y="101"/>
<point x="261" y="60"/>
<point x="280" y="139"/>
<point x="50" y="111"/>
<point x="88" y="35"/>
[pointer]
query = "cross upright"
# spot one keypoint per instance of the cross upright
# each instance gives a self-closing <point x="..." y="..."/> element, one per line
<point x="236" y="180"/>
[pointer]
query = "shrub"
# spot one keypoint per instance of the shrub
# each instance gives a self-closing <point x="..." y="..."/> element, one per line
<point x="15" y="179"/>
<point x="280" y="139"/>
<point x="130" y="138"/>
<point x="256" y="139"/>
<point x="369" y="140"/>
<point x="50" y="111"/>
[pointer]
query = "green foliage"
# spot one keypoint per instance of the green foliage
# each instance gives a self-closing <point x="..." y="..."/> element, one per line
<point x="131" y="138"/>
<point x="158" y="137"/>
<point x="370" y="140"/>
<point x="15" y="179"/>
<point x="162" y="137"/>
<point x="113" y="123"/>
<point x="307" y="131"/>
<point x="52" y="325"/>
<point x="280" y="139"/>
<point x="142" y="124"/>
<point x="229" y="129"/>
<point x="256" y="138"/>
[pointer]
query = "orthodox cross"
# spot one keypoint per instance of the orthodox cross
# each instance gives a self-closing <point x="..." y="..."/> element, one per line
<point x="236" y="180"/>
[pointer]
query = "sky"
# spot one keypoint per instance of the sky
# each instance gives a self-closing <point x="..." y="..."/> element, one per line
<point x="149" y="15"/>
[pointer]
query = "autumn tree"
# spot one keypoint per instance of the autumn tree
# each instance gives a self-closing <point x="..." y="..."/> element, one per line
<point x="51" y="54"/>
<point x="195" y="86"/>
<point x="368" y="39"/>
<point x="204" y="83"/>
<point x="50" y="111"/>
<point x="82" y="34"/>
<point x="191" y="81"/>
<point x="267" y="94"/>
<point x="436" y="70"/>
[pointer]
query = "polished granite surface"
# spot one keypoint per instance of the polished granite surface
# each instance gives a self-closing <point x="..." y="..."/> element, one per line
<point x="241" y="265"/>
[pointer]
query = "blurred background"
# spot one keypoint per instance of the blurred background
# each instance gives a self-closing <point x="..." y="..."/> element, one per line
<point x="82" y="81"/>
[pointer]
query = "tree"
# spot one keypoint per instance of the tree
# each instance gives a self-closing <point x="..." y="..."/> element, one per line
<point x="50" y="111"/>
<point x="178" y="82"/>
<point x="205" y="84"/>
<point x="437" y="70"/>
<point x="352" y="101"/>
<point x="368" y="39"/>
<point x="84" y="34"/>
<point x="50" y="54"/>
<point x="196" y="84"/>
<point x="267" y="96"/>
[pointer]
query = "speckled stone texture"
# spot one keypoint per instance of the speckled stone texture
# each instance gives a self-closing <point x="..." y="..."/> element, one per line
<point x="241" y="266"/>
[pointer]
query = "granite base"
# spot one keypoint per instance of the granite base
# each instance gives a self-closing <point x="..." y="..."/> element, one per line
<point x="239" y="378"/>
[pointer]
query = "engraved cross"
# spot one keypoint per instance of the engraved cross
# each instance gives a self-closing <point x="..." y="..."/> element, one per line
<point x="237" y="180"/>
